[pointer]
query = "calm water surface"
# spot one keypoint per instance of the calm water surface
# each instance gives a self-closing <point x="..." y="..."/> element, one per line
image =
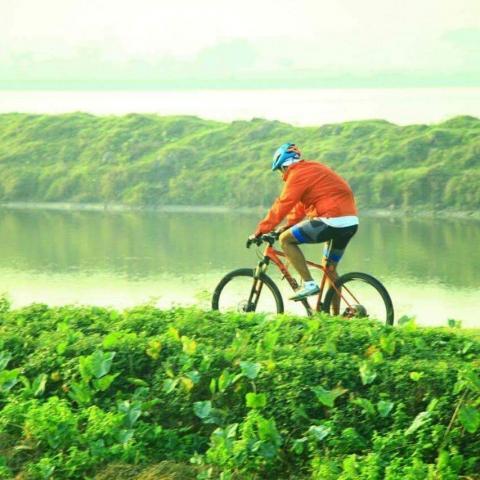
<point x="430" y="266"/>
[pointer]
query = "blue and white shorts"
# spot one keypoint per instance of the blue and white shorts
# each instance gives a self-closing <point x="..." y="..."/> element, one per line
<point x="317" y="231"/>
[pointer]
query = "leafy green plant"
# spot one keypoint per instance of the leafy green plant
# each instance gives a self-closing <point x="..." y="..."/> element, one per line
<point x="240" y="396"/>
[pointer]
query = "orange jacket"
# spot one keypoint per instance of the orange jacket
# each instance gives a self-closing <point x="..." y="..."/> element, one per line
<point x="311" y="190"/>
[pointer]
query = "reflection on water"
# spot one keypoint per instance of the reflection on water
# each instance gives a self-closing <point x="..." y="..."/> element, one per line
<point x="430" y="266"/>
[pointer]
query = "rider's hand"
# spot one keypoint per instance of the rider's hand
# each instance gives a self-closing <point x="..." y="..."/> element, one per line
<point x="251" y="239"/>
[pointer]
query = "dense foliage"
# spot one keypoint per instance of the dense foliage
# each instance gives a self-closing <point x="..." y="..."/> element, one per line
<point x="152" y="160"/>
<point x="97" y="393"/>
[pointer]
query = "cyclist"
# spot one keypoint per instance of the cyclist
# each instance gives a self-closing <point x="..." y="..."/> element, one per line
<point x="314" y="191"/>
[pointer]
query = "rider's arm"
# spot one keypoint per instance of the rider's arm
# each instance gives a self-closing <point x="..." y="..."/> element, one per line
<point x="296" y="215"/>
<point x="290" y="196"/>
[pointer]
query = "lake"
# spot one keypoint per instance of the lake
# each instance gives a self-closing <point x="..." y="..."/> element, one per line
<point x="295" y="106"/>
<point x="121" y="259"/>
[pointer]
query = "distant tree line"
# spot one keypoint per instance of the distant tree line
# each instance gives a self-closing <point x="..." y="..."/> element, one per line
<point x="153" y="160"/>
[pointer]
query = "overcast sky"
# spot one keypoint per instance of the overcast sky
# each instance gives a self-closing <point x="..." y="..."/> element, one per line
<point x="227" y="41"/>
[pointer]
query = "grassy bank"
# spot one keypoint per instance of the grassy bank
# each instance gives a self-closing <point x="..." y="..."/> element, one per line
<point x="149" y="160"/>
<point x="183" y="393"/>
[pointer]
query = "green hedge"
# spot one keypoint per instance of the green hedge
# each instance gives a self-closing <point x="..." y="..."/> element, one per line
<point x="89" y="392"/>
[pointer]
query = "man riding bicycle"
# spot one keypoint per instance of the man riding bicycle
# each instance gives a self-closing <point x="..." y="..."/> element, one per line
<point x="314" y="191"/>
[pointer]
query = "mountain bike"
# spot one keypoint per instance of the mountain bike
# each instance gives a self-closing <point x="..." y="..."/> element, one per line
<point x="352" y="295"/>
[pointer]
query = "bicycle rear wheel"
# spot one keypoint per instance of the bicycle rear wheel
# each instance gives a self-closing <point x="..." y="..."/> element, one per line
<point x="237" y="291"/>
<point x="362" y="296"/>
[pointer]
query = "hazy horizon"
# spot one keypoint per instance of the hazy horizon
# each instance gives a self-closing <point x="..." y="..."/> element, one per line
<point x="66" y="44"/>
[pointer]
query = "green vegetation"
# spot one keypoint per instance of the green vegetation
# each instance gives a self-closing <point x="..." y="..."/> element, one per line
<point x="87" y="392"/>
<point x="154" y="160"/>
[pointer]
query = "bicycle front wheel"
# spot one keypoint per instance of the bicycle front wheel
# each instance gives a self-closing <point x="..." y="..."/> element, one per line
<point x="239" y="291"/>
<point x="361" y="296"/>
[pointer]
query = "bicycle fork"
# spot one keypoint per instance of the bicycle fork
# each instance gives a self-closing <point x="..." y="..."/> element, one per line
<point x="257" y="285"/>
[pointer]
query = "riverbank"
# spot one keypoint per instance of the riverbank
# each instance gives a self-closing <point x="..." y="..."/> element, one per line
<point x="118" y="207"/>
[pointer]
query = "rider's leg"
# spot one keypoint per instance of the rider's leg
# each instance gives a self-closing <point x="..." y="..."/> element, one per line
<point x="332" y="254"/>
<point x="330" y="260"/>
<point x="295" y="255"/>
<point x="316" y="231"/>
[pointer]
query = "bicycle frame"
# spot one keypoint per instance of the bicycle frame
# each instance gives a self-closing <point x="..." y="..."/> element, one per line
<point x="270" y="254"/>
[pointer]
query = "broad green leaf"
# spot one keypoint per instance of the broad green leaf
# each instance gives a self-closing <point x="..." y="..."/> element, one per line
<point x="367" y="374"/>
<point x="194" y="376"/>
<point x="124" y="436"/>
<point x="366" y="404"/>
<point x="407" y="324"/>
<point x="61" y="347"/>
<point x="132" y="412"/>
<point x="270" y="340"/>
<point x="8" y="379"/>
<point x="419" y="420"/>
<point x="388" y="344"/>
<point x="186" y="383"/>
<point x="329" y="347"/>
<point x="432" y="405"/>
<point x="224" y="436"/>
<point x="204" y="366"/>
<point x="472" y="380"/>
<point x="202" y="409"/>
<point x="101" y="362"/>
<point x="63" y="327"/>
<point x="112" y="340"/>
<point x="270" y="365"/>
<point x="216" y="417"/>
<point x="268" y="432"/>
<point x="169" y="385"/>
<point x="231" y="430"/>
<point x="327" y="397"/>
<point x="256" y="400"/>
<point x="416" y="376"/>
<point x="104" y="383"/>
<point x="459" y="386"/>
<point x="224" y="380"/>
<point x="80" y="393"/>
<point x="250" y="369"/>
<point x="25" y="381"/>
<point x="469" y="418"/>
<point x="298" y="445"/>
<point x="5" y="357"/>
<point x="213" y="386"/>
<point x="384" y="408"/>
<point x="452" y="323"/>
<point x="189" y="345"/>
<point x="173" y="333"/>
<point x="38" y="385"/>
<point x="137" y="381"/>
<point x="85" y="367"/>
<point x="376" y="358"/>
<point x="154" y="348"/>
<point x="319" y="432"/>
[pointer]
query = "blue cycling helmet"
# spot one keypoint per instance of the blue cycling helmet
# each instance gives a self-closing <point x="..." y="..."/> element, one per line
<point x="288" y="151"/>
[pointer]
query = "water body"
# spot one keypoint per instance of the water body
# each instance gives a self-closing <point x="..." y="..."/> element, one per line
<point x="121" y="259"/>
<point x="299" y="107"/>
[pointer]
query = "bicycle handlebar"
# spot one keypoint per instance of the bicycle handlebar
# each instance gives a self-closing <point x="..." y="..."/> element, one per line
<point x="269" y="238"/>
